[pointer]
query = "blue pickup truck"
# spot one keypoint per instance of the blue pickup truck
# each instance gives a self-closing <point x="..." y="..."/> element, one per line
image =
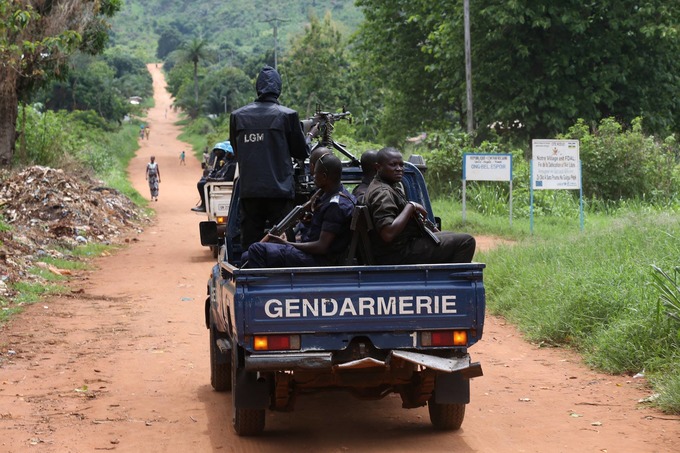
<point x="368" y="329"/>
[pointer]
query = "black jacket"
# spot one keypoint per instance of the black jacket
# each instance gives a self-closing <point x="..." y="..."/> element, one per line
<point x="266" y="136"/>
<point x="224" y="171"/>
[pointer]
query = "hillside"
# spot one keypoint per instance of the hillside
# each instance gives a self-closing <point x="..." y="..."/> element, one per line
<point x="240" y="26"/>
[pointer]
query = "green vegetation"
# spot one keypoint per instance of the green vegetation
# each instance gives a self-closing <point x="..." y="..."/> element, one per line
<point x="71" y="140"/>
<point x="239" y="27"/>
<point x="537" y="67"/>
<point x="593" y="291"/>
<point x="36" y="44"/>
<point x="91" y="249"/>
<point x="30" y="293"/>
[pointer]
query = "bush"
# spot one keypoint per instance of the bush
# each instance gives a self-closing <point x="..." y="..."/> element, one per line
<point x="619" y="167"/>
<point x="625" y="164"/>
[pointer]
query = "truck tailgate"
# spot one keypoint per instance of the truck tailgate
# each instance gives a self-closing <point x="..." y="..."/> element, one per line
<point x="360" y="299"/>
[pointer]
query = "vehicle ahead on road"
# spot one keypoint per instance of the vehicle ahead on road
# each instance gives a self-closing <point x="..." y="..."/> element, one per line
<point x="218" y="199"/>
<point x="369" y="329"/>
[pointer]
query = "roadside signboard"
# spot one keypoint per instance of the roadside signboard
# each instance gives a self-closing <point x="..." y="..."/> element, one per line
<point x="555" y="165"/>
<point x="487" y="167"/>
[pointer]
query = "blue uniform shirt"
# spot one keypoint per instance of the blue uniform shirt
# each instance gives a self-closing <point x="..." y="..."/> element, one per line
<point x="332" y="212"/>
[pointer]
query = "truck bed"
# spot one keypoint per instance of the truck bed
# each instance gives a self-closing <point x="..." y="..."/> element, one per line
<point x="334" y="304"/>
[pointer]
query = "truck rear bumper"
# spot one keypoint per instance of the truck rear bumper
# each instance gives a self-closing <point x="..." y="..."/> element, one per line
<point x="324" y="361"/>
<point x="281" y="362"/>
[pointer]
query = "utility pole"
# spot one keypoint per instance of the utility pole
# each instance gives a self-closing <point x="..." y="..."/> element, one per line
<point x="468" y="67"/>
<point x="225" y="104"/>
<point x="275" y="24"/>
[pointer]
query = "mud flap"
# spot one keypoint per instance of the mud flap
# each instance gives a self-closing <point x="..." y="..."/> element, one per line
<point x="451" y="388"/>
<point x="208" y="231"/>
<point x="248" y="391"/>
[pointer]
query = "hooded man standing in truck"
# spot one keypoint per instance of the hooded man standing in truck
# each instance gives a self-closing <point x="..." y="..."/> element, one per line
<point x="266" y="136"/>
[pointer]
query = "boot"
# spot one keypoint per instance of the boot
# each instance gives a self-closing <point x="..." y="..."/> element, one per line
<point x="199" y="208"/>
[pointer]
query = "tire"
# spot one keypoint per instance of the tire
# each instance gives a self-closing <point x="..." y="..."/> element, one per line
<point x="220" y="373"/>
<point x="246" y="422"/>
<point x="446" y="417"/>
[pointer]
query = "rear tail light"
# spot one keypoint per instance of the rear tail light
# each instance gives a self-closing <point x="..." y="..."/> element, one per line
<point x="444" y="338"/>
<point x="276" y="342"/>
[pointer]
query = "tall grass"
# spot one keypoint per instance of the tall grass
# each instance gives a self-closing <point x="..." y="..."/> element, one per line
<point x="593" y="291"/>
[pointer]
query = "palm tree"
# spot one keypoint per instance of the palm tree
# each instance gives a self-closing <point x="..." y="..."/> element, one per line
<point x="194" y="51"/>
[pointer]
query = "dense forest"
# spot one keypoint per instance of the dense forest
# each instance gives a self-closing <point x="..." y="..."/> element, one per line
<point x="235" y="27"/>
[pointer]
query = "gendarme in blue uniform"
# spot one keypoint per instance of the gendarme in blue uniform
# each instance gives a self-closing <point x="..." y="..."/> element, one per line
<point x="332" y="213"/>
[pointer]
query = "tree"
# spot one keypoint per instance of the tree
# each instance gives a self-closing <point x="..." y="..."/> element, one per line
<point x="390" y="50"/>
<point x="89" y="85"/>
<point x="316" y="67"/>
<point x="538" y="66"/>
<point x="573" y="60"/>
<point x="36" y="40"/>
<point x="226" y="89"/>
<point x="169" y="40"/>
<point x="194" y="51"/>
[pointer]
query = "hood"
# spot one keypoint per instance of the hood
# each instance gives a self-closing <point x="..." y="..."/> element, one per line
<point x="268" y="82"/>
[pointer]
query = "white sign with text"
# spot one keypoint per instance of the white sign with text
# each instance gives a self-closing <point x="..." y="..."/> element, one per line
<point x="487" y="167"/>
<point x="555" y="164"/>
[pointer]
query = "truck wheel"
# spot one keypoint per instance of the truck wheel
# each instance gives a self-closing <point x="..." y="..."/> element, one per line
<point x="246" y="422"/>
<point x="220" y="373"/>
<point x="446" y="417"/>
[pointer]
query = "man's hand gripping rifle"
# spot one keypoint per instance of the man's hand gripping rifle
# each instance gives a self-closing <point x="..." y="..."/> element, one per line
<point x="293" y="217"/>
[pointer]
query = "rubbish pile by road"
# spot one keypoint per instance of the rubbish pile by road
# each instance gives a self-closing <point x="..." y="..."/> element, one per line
<point x="48" y="210"/>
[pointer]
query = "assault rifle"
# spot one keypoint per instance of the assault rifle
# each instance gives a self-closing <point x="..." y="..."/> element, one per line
<point x="292" y="218"/>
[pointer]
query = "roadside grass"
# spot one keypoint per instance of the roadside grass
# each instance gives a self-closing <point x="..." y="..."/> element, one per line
<point x="27" y="293"/>
<point x="62" y="263"/>
<point x="90" y="249"/>
<point x="519" y="227"/>
<point x="197" y="134"/>
<point x="115" y="175"/>
<point x="590" y="290"/>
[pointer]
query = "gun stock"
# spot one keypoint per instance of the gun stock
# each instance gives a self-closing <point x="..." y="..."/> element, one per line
<point x="291" y="218"/>
<point x="427" y="227"/>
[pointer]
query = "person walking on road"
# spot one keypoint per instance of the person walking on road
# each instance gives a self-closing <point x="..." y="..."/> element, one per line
<point x="153" y="175"/>
<point x="182" y="157"/>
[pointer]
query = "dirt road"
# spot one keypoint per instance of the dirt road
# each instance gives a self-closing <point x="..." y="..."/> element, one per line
<point x="122" y="365"/>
